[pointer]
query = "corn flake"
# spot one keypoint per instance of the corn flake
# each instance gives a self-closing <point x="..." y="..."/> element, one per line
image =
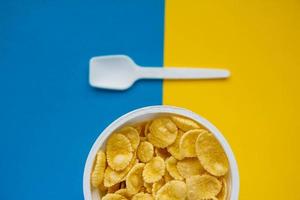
<point x="187" y="142"/>
<point x="211" y="154"/>
<point x="163" y="132"/>
<point x="189" y="167"/>
<point x="154" y="170"/>
<point x="118" y="152"/>
<point x="184" y="123"/>
<point x="175" y="190"/>
<point x="99" y="168"/>
<point x="145" y="151"/>
<point x="174" y="149"/>
<point x="202" y="187"/>
<point x="134" y="179"/>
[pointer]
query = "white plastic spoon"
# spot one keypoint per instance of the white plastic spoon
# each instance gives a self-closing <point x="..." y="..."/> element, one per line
<point x="119" y="72"/>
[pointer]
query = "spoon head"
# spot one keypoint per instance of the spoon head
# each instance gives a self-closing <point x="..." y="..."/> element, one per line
<point x="112" y="72"/>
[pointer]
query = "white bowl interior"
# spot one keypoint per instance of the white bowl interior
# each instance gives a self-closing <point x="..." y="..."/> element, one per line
<point x="148" y="113"/>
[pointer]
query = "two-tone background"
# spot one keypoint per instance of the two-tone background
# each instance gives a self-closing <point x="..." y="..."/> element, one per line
<point x="50" y="116"/>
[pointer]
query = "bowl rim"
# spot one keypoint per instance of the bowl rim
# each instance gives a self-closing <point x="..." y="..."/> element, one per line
<point x="235" y="179"/>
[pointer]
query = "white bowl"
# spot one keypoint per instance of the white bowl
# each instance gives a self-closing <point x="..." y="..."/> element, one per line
<point x="147" y="113"/>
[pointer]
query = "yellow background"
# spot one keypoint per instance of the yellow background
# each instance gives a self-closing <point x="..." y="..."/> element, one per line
<point x="257" y="109"/>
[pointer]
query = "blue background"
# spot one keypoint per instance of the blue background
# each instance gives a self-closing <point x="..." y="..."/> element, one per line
<point x="49" y="115"/>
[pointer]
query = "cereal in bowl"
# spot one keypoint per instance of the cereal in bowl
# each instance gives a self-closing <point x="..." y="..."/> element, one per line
<point x="168" y="157"/>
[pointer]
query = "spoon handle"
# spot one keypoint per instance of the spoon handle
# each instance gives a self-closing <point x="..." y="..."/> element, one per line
<point x="182" y="73"/>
